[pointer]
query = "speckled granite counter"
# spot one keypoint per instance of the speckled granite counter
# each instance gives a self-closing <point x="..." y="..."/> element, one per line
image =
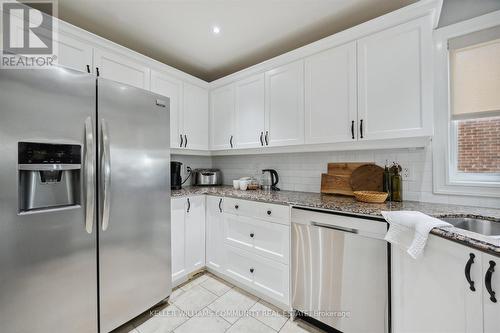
<point x="349" y="205"/>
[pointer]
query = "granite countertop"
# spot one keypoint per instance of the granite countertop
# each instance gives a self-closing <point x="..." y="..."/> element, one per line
<point x="349" y="205"/>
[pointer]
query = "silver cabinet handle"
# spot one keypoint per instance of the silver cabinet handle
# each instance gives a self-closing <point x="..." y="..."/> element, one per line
<point x="185" y="141"/>
<point x="105" y="174"/>
<point x="89" y="176"/>
<point x="182" y="140"/>
<point x="267" y="138"/>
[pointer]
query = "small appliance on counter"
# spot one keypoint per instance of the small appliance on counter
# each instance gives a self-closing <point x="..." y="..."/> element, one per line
<point x="175" y="175"/>
<point x="207" y="177"/>
<point x="269" y="180"/>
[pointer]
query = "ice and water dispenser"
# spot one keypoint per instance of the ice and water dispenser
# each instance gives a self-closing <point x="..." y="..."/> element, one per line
<point x="49" y="175"/>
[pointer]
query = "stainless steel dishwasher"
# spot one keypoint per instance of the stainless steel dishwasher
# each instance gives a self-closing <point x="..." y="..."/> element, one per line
<point x="340" y="270"/>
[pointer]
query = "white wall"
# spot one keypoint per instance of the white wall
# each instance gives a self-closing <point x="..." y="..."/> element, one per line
<point x="454" y="11"/>
<point x="302" y="171"/>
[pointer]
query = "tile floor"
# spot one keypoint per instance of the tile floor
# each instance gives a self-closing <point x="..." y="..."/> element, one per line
<point x="209" y="304"/>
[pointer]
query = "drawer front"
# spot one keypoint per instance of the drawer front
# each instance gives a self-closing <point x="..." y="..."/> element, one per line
<point x="271" y="212"/>
<point x="270" y="240"/>
<point x="238" y="231"/>
<point x="263" y="275"/>
<point x="238" y="265"/>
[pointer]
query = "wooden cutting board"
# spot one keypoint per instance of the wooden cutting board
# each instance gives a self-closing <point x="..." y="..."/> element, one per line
<point x="337" y="180"/>
<point x="367" y="177"/>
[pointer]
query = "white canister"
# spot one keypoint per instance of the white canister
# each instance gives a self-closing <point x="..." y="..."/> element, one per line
<point x="244" y="184"/>
<point x="236" y="184"/>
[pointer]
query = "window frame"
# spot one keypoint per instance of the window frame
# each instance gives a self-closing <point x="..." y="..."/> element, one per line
<point x="446" y="179"/>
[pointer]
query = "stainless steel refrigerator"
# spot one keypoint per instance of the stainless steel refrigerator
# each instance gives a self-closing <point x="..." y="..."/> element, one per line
<point x="84" y="201"/>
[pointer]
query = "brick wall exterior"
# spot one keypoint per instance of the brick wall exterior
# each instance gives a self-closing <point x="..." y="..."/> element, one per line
<point x="479" y="145"/>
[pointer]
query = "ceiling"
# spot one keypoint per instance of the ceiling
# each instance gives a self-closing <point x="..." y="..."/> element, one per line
<point x="179" y="32"/>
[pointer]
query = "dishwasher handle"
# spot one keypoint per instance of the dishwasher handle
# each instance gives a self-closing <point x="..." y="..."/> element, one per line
<point x="334" y="227"/>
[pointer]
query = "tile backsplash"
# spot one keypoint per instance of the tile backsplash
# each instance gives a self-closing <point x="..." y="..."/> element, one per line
<point x="302" y="171"/>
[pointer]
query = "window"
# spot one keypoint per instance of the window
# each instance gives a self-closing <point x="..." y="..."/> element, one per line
<point x="474" y="74"/>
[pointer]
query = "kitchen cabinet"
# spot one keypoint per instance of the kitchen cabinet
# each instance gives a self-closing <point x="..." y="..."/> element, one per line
<point x="267" y="277"/>
<point x="74" y="54"/>
<point x="120" y="68"/>
<point x="432" y="294"/>
<point x="330" y="95"/>
<point x="195" y="233"/>
<point x="250" y="112"/>
<point x="222" y="118"/>
<point x="187" y="236"/>
<point x="195" y="117"/>
<point x="285" y="105"/>
<point x="178" y="244"/>
<point x="214" y="233"/>
<point x="491" y="307"/>
<point x="395" y="82"/>
<point x="172" y="88"/>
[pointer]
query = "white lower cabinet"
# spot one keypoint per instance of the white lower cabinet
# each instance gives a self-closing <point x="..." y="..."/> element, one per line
<point x="187" y="236"/>
<point x="491" y="305"/>
<point x="214" y="234"/>
<point x="251" y="246"/>
<point x="265" y="276"/>
<point x="434" y="293"/>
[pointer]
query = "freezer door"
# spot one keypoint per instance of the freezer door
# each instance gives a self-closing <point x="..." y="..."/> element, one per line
<point x="134" y="200"/>
<point x="48" y="266"/>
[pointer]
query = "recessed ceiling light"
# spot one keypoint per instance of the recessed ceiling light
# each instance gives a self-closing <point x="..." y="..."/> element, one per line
<point x="216" y="30"/>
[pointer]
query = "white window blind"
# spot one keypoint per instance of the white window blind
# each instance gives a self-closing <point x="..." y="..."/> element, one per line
<point x="475" y="76"/>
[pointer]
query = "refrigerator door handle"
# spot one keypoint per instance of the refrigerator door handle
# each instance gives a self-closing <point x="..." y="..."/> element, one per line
<point x="105" y="174"/>
<point x="89" y="175"/>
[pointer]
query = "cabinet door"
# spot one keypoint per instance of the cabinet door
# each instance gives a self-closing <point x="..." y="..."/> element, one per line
<point x="491" y="309"/>
<point x="250" y="112"/>
<point x="172" y="88"/>
<point x="394" y="82"/>
<point x="285" y="104"/>
<point x="195" y="117"/>
<point x="330" y="95"/>
<point x="178" y="233"/>
<point x="214" y="234"/>
<point x="432" y="294"/>
<point x="120" y="68"/>
<point x="73" y="53"/>
<point x="222" y="118"/>
<point x="195" y="233"/>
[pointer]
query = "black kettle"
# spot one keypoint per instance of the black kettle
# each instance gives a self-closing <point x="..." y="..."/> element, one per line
<point x="273" y="179"/>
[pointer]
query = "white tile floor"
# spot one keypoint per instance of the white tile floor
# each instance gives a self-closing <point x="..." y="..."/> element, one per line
<point x="209" y="304"/>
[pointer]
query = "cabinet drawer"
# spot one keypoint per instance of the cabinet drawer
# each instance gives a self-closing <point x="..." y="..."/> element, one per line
<point x="270" y="240"/>
<point x="262" y="210"/>
<point x="263" y="275"/>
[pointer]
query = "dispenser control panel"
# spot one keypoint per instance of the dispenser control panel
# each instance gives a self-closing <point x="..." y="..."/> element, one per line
<point x="48" y="153"/>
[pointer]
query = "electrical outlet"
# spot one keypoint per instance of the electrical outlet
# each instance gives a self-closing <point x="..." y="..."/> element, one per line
<point x="406" y="174"/>
<point x="187" y="170"/>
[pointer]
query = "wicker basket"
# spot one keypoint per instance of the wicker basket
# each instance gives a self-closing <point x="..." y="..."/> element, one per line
<point x="371" y="196"/>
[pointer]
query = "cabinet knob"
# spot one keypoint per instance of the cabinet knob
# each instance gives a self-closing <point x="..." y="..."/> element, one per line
<point x="252" y="234"/>
<point x="268" y="212"/>
<point x="251" y="270"/>
<point x="236" y="206"/>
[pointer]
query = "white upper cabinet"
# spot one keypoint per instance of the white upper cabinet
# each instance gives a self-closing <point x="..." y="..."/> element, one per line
<point x="491" y="279"/>
<point x="250" y="112"/>
<point x="222" y="118"/>
<point x="330" y="95"/>
<point x="172" y="88"/>
<point x="195" y="117"/>
<point x="285" y="105"/>
<point x="395" y="82"/>
<point x="74" y="54"/>
<point x="432" y="294"/>
<point x="120" y="68"/>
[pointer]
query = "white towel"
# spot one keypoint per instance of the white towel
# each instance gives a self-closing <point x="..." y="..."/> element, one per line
<point x="409" y="230"/>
